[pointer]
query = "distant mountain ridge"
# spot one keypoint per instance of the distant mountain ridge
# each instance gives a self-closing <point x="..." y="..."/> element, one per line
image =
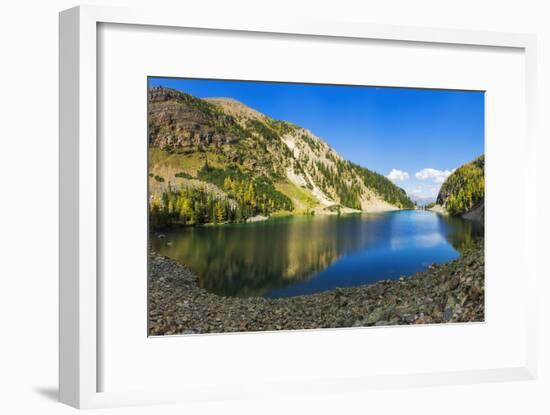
<point x="223" y="142"/>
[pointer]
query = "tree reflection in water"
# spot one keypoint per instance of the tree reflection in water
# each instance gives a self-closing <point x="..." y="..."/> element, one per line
<point x="270" y="258"/>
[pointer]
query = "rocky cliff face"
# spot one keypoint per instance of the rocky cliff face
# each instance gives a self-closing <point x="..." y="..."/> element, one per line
<point x="181" y="120"/>
<point x="477" y="213"/>
<point x="228" y="134"/>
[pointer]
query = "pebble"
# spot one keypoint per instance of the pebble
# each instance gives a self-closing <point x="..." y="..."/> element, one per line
<point x="452" y="292"/>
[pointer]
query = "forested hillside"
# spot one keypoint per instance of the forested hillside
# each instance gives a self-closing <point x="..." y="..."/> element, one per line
<point x="217" y="160"/>
<point x="464" y="189"/>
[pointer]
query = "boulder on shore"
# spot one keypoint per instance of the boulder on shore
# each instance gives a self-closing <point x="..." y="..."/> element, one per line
<point x="257" y="218"/>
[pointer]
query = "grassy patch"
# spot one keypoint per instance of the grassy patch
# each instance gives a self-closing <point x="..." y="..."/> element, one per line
<point x="301" y="198"/>
<point x="181" y="165"/>
<point x="281" y="214"/>
<point x="176" y="167"/>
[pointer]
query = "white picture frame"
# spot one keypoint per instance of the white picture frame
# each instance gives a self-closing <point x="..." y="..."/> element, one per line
<point x="80" y="167"/>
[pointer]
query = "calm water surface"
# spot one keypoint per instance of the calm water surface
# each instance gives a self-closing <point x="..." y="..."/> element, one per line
<point x="303" y="255"/>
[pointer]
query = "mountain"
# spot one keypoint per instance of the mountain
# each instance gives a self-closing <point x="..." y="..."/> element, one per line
<point x="235" y="162"/>
<point x="463" y="192"/>
<point x="423" y="201"/>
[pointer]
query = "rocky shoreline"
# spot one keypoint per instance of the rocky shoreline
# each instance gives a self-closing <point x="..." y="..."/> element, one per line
<point x="452" y="292"/>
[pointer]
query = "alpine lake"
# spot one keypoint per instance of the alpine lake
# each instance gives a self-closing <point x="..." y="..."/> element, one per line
<point x="300" y="255"/>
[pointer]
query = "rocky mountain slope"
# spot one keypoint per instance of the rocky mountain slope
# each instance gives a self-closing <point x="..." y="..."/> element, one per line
<point x="261" y="164"/>
<point x="463" y="192"/>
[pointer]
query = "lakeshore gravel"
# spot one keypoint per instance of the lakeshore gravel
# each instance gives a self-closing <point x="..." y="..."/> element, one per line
<point x="452" y="292"/>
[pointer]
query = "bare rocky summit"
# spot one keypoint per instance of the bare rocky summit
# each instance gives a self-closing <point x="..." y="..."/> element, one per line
<point x="236" y="109"/>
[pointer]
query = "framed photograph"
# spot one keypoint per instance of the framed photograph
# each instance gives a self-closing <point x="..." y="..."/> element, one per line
<point x="256" y="223"/>
<point x="239" y="201"/>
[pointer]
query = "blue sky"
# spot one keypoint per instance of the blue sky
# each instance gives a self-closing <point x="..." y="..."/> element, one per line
<point x="416" y="137"/>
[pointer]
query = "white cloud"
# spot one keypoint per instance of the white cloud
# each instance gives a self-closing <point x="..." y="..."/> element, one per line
<point x="437" y="176"/>
<point x="398" y="175"/>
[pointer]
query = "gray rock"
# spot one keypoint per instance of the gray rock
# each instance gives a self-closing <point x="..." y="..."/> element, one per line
<point x="178" y="305"/>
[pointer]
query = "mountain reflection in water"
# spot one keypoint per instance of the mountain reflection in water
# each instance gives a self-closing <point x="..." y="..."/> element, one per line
<point x="301" y="255"/>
